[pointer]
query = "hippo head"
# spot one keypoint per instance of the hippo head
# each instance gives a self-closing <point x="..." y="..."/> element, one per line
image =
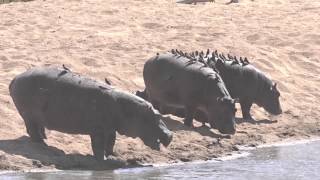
<point x="152" y="137"/>
<point x="221" y="107"/>
<point x="223" y="115"/>
<point x="269" y="100"/>
<point x="141" y="120"/>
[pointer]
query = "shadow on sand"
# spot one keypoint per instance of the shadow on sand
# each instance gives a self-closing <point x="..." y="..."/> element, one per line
<point x="253" y="121"/>
<point x="176" y="126"/>
<point x="48" y="155"/>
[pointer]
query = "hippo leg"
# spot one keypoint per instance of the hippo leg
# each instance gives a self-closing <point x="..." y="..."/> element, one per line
<point x="35" y="130"/>
<point x="189" y="112"/>
<point x="110" y="139"/>
<point x="245" y="107"/>
<point x="97" y="144"/>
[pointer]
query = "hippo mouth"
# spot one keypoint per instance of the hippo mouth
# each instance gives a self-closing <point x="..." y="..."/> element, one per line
<point x="155" y="145"/>
<point x="166" y="140"/>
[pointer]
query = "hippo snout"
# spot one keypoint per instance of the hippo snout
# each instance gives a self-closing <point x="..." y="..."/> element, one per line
<point x="165" y="134"/>
<point x="166" y="139"/>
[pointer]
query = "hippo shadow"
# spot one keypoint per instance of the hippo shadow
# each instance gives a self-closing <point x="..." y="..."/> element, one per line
<point x="176" y="126"/>
<point x="253" y="121"/>
<point x="44" y="155"/>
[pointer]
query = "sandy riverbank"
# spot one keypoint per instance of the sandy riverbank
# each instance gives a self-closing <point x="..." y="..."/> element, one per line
<point x="113" y="39"/>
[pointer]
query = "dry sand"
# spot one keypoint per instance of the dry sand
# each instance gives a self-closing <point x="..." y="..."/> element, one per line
<point x="114" y="38"/>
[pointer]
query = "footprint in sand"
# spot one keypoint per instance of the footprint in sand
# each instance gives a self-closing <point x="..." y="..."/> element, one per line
<point x="110" y="12"/>
<point x="294" y="34"/>
<point x="16" y="57"/>
<point x="307" y="54"/>
<point x="310" y="66"/>
<point x="265" y="64"/>
<point x="300" y="46"/>
<point x="282" y="43"/>
<point x="152" y="25"/>
<point x="8" y="66"/>
<point x="89" y="62"/>
<point x="282" y="86"/>
<point x="3" y="58"/>
<point x="253" y="38"/>
<point x="312" y="38"/>
<point x="275" y="41"/>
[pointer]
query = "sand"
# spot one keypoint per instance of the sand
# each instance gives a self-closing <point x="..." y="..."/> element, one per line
<point x="113" y="39"/>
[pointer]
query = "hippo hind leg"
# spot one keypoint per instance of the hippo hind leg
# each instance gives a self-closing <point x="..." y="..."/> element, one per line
<point x="245" y="108"/>
<point x="189" y="113"/>
<point x="97" y="144"/>
<point x="110" y="139"/>
<point x="34" y="129"/>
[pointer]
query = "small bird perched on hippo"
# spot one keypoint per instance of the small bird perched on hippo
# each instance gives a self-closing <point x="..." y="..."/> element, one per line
<point x="243" y="81"/>
<point x="58" y="99"/>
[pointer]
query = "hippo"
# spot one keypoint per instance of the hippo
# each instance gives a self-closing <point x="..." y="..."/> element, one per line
<point x="243" y="81"/>
<point x="173" y="81"/>
<point x="58" y="99"/>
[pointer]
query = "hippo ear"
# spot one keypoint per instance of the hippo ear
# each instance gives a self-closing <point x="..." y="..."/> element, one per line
<point x="275" y="85"/>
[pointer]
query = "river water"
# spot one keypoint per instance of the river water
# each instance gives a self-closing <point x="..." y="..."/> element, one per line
<point x="295" y="161"/>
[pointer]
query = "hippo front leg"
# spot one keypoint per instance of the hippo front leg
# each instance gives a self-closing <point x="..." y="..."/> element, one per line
<point x="189" y="112"/>
<point x="245" y="108"/>
<point x="110" y="139"/>
<point x="97" y="144"/>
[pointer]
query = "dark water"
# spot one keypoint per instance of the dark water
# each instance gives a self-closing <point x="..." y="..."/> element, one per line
<point x="300" y="161"/>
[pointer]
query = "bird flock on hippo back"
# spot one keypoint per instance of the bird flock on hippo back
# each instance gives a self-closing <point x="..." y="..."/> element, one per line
<point x="231" y="68"/>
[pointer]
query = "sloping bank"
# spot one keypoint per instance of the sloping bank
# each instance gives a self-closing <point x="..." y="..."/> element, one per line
<point x="111" y="39"/>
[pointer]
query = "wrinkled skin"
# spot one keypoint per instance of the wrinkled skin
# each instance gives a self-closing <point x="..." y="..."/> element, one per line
<point x="172" y="82"/>
<point x="60" y="100"/>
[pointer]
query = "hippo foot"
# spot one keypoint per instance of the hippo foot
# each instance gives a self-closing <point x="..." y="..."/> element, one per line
<point x="114" y="154"/>
<point x="249" y="119"/>
<point x="188" y="124"/>
<point x="39" y="142"/>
